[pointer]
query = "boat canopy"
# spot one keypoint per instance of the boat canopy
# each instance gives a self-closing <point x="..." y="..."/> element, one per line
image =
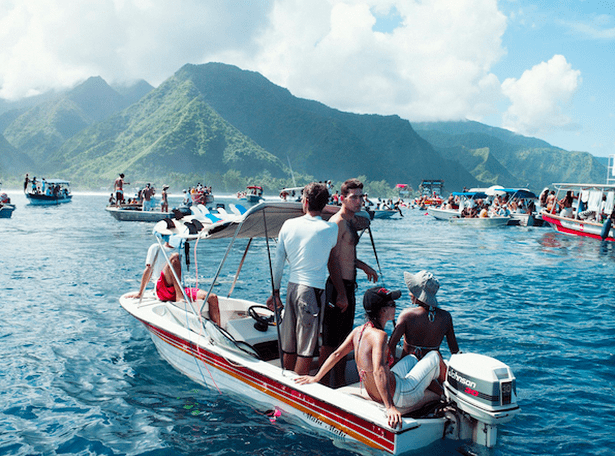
<point x="520" y="193"/>
<point x="292" y="189"/>
<point x="471" y="195"/>
<point x="57" y="181"/>
<point x="603" y="187"/>
<point x="254" y="187"/>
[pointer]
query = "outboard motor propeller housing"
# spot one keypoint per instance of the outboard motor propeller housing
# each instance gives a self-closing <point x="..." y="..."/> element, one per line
<point x="485" y="390"/>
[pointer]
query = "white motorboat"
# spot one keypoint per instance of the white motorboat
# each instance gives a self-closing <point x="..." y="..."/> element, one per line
<point x="467" y="199"/>
<point x="241" y="358"/>
<point x="382" y="213"/>
<point x="130" y="213"/>
<point x="591" y="220"/>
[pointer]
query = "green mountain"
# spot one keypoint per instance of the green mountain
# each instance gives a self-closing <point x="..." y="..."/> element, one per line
<point x="12" y="162"/>
<point x="169" y="132"/>
<point x="318" y="140"/>
<point x="43" y="129"/>
<point x="133" y="92"/>
<point x="223" y="125"/>
<point x="509" y="159"/>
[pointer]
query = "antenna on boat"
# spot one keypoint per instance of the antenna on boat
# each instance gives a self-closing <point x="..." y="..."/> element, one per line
<point x="291" y="171"/>
<point x="276" y="313"/>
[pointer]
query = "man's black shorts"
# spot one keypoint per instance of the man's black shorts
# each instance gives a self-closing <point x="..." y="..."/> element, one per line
<point x="337" y="325"/>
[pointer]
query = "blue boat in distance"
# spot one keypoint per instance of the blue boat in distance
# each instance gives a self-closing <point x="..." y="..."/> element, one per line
<point x="49" y="192"/>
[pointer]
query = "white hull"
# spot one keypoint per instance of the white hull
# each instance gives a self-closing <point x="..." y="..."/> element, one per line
<point x="384" y="213"/>
<point x="452" y="215"/>
<point x="346" y="417"/>
<point x="136" y="215"/>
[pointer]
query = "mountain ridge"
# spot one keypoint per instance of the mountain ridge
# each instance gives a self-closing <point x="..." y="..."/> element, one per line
<point x="220" y="123"/>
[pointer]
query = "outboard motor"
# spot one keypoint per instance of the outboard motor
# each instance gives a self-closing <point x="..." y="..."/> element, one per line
<point x="484" y="391"/>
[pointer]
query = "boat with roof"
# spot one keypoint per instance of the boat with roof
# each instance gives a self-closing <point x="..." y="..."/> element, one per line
<point x="46" y="192"/>
<point x="253" y="194"/>
<point x="465" y="209"/>
<point x="520" y="203"/>
<point x="590" y="215"/>
<point x="240" y="356"/>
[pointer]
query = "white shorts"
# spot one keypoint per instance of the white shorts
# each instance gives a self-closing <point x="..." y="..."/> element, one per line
<point x="412" y="377"/>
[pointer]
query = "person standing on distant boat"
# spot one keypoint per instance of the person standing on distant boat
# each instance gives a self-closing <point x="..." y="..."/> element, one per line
<point x="425" y="326"/>
<point x="25" y="184"/>
<point x="566" y="205"/>
<point x="165" y="201"/>
<point x="148" y="192"/>
<point x="118" y="188"/>
<point x="306" y="243"/>
<point x="340" y="307"/>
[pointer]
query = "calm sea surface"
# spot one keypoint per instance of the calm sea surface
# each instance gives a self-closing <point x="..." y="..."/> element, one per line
<point x="81" y="376"/>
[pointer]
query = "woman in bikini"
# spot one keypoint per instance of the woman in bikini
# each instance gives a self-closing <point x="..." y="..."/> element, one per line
<point x="403" y="385"/>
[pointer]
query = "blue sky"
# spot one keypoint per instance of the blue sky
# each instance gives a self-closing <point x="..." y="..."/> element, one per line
<point x="540" y="68"/>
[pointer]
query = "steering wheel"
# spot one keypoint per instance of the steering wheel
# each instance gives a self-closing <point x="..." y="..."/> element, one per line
<point x="261" y="322"/>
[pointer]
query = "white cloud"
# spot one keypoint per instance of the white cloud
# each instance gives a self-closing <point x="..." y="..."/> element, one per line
<point x="56" y="43"/>
<point x="539" y="96"/>
<point x="434" y="65"/>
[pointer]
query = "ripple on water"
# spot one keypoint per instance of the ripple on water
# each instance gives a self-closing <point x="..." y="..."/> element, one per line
<point x="82" y="377"/>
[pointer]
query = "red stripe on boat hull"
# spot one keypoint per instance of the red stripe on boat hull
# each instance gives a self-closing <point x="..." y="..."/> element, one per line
<point x="348" y="423"/>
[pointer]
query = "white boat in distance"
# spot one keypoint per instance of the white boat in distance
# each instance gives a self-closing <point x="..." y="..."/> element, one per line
<point x="241" y="358"/>
<point x="592" y="194"/>
<point x="128" y="213"/>
<point x="454" y="215"/>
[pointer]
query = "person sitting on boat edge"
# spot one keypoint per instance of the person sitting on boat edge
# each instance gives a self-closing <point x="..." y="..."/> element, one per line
<point x="167" y="289"/>
<point x="566" y="205"/>
<point x="406" y="384"/>
<point x="425" y="326"/>
<point x="155" y="260"/>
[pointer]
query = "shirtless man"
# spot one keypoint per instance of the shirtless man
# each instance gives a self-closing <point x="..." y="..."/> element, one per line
<point x="118" y="188"/>
<point x="343" y="263"/>
<point x="148" y="192"/>
<point x="425" y="326"/>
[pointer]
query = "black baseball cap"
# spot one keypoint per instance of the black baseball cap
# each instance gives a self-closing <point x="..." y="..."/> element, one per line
<point x="378" y="297"/>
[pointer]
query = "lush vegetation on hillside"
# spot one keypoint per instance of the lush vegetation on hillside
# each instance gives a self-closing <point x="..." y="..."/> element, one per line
<point x="224" y="126"/>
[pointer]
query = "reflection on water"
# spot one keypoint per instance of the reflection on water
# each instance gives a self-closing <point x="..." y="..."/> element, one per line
<point x="82" y="376"/>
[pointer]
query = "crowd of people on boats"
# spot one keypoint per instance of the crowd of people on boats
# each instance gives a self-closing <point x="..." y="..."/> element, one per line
<point x="575" y="205"/>
<point x="36" y="186"/>
<point x="321" y="288"/>
<point x="144" y="199"/>
<point x="322" y="256"/>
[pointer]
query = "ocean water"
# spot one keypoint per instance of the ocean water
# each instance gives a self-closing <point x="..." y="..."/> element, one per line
<point x="81" y="376"/>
